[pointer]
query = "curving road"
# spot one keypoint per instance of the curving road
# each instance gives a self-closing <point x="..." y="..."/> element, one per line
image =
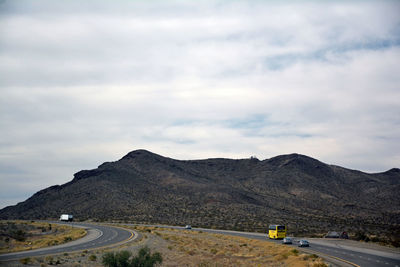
<point x="107" y="236"/>
<point x="98" y="236"/>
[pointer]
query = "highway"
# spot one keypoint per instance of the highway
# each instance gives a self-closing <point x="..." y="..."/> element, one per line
<point x="98" y="236"/>
<point x="348" y="255"/>
<point x="105" y="236"/>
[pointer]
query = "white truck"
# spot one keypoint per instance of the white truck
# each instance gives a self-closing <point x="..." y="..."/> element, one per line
<point x="66" y="217"/>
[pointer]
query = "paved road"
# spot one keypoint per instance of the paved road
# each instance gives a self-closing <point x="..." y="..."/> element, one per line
<point x="353" y="255"/>
<point x="98" y="236"/>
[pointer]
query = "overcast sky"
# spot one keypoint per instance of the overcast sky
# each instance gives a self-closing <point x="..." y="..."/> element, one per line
<point x="84" y="82"/>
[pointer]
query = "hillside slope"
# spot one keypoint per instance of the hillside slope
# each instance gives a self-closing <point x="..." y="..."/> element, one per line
<point x="244" y="194"/>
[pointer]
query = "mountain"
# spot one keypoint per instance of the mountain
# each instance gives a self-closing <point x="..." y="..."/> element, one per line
<point x="242" y="194"/>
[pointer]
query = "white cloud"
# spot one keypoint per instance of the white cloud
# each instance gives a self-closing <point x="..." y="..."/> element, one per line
<point x="86" y="82"/>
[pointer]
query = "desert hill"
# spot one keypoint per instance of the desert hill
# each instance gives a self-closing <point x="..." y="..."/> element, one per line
<point x="241" y="194"/>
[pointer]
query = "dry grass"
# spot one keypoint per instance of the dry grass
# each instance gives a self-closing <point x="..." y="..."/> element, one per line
<point x="36" y="238"/>
<point x="193" y="248"/>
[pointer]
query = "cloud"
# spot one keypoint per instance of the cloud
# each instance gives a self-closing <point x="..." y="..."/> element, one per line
<point x="85" y="82"/>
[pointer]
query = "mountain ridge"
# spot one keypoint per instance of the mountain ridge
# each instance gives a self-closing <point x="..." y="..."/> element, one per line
<point x="240" y="194"/>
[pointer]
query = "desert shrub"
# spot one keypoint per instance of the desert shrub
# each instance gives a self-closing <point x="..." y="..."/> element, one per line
<point x="361" y="236"/>
<point x="124" y="258"/>
<point x="375" y="239"/>
<point x="67" y="239"/>
<point x="52" y="242"/>
<point x="119" y="259"/>
<point x="395" y="242"/>
<point x="18" y="235"/>
<point x="49" y="260"/>
<point x="92" y="257"/>
<point x="146" y="259"/>
<point x="25" y="260"/>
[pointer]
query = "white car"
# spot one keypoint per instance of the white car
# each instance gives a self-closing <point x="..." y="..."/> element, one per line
<point x="188" y="227"/>
<point x="287" y="240"/>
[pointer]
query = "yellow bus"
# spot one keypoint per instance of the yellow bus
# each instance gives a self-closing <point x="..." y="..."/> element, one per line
<point x="277" y="231"/>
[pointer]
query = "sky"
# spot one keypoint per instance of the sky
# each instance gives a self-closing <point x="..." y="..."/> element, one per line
<point x="84" y="82"/>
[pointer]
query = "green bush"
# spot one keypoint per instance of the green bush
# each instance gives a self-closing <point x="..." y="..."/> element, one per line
<point x="124" y="259"/>
<point x="360" y="236"/>
<point x="146" y="259"/>
<point x="119" y="259"/>
<point x="92" y="257"/>
<point x="18" y="235"/>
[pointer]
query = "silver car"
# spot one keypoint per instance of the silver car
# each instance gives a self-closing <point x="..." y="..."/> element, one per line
<point x="304" y="243"/>
<point x="287" y="240"/>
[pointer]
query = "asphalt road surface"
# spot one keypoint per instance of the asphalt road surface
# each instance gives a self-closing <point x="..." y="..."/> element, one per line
<point x="353" y="256"/>
<point x="98" y="236"/>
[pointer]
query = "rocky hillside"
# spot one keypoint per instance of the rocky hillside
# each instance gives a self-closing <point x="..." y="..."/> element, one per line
<point x="244" y="194"/>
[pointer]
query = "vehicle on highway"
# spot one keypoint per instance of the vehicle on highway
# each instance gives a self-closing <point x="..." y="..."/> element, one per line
<point x="287" y="240"/>
<point x="66" y="218"/>
<point x="276" y="231"/>
<point x="188" y="227"/>
<point x="304" y="243"/>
